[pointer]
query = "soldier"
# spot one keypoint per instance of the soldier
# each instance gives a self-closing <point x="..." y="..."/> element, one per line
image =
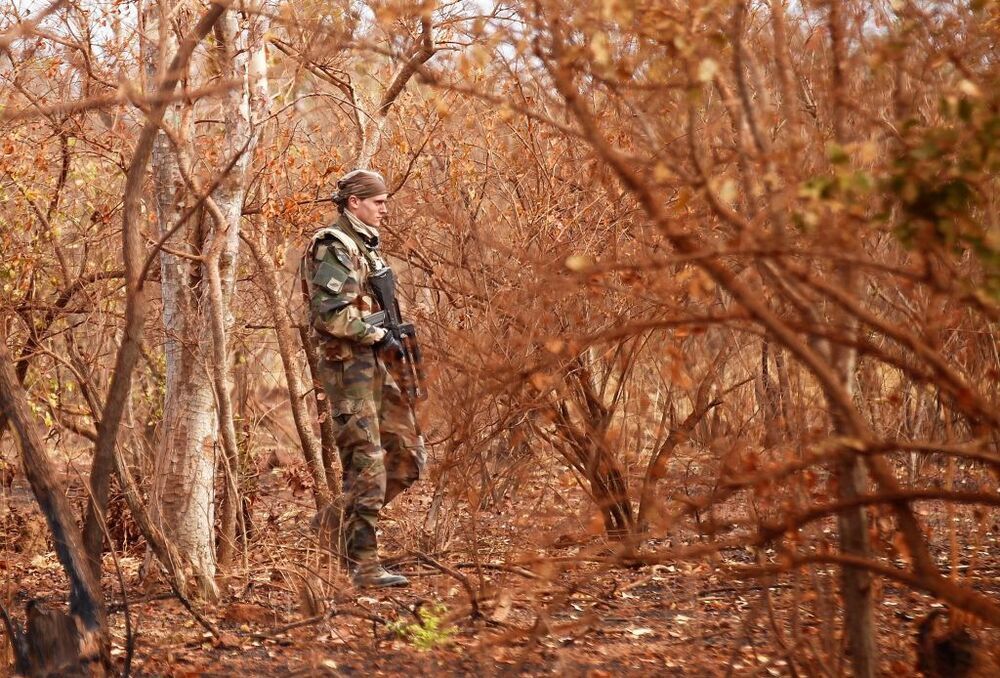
<point x="380" y="449"/>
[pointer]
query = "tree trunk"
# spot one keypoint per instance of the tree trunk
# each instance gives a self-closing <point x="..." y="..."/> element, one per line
<point x="196" y="298"/>
<point x="183" y="495"/>
<point x="77" y="643"/>
<point x="183" y="498"/>
<point x="856" y="583"/>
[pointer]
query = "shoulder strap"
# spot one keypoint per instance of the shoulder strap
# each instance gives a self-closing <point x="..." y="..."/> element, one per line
<point x="345" y="239"/>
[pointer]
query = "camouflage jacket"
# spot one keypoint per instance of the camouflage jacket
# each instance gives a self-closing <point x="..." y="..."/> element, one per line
<point x="335" y="270"/>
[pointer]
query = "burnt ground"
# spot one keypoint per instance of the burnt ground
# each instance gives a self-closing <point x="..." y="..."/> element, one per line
<point x="541" y="607"/>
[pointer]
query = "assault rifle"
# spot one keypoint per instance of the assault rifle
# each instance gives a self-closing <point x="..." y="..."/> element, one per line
<point x="409" y="372"/>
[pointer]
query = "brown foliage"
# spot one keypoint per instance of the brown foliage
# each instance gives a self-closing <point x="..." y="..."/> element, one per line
<point x="693" y="280"/>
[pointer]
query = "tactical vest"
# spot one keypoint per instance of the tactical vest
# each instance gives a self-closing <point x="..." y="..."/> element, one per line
<point x="333" y="348"/>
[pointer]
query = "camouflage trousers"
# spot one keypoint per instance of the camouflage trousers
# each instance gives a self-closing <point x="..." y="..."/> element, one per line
<point x="380" y="451"/>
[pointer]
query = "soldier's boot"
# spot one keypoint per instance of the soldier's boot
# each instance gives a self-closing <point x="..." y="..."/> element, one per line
<point x="361" y="539"/>
<point x="375" y="576"/>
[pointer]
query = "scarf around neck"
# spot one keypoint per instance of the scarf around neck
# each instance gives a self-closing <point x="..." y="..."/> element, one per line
<point x="368" y="233"/>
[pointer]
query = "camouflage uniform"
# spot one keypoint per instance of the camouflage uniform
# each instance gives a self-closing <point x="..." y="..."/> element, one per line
<point x="380" y="450"/>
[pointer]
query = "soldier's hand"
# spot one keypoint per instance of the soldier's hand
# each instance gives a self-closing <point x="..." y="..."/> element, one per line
<point x="388" y="349"/>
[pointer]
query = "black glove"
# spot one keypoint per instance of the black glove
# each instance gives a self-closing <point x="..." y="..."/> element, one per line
<point x="388" y="349"/>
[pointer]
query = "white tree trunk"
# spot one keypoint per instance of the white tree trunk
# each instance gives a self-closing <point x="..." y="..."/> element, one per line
<point x="196" y="297"/>
<point x="183" y="501"/>
<point x="184" y="493"/>
<point x="184" y="486"/>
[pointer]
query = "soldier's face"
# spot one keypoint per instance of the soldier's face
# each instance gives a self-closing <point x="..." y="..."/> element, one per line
<point x="370" y="210"/>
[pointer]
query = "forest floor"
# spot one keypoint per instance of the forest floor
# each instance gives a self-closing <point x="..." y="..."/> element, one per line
<point x="542" y="606"/>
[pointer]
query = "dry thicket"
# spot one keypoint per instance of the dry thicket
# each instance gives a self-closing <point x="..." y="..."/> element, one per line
<point x="713" y="277"/>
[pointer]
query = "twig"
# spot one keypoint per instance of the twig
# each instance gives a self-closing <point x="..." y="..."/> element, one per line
<point x="309" y="621"/>
<point x="740" y="589"/>
<point x="462" y="579"/>
<point x="513" y="569"/>
<point x="121" y="604"/>
<point x="26" y="28"/>
<point x="199" y="617"/>
<point x="71" y="107"/>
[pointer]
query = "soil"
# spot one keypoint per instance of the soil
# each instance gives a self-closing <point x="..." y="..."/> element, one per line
<point x="541" y="606"/>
